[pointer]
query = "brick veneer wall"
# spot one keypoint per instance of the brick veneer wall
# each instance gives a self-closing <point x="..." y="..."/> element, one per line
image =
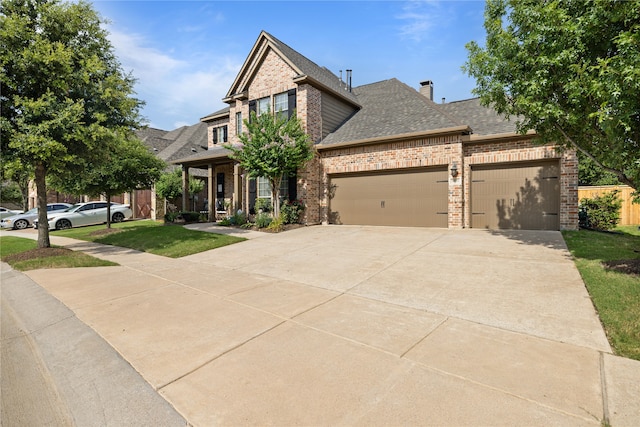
<point x="444" y="150"/>
<point x="415" y="153"/>
<point x="276" y="76"/>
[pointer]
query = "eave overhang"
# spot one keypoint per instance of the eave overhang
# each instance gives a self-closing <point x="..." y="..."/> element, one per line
<point x="510" y="136"/>
<point x="203" y="161"/>
<point x="303" y="78"/>
<point x="463" y="131"/>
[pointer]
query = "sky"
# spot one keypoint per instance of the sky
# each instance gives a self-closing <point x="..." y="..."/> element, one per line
<point x="186" y="54"/>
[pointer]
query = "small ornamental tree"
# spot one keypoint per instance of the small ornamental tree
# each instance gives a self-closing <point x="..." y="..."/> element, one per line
<point x="570" y="70"/>
<point x="273" y="147"/>
<point x="169" y="186"/>
<point x="127" y="166"/>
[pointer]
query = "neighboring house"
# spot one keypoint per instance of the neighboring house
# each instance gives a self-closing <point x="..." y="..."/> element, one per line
<point x="168" y="145"/>
<point x="387" y="154"/>
<point x="171" y="145"/>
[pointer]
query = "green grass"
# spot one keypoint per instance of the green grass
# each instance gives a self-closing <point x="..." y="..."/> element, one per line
<point x="10" y="245"/>
<point x="616" y="295"/>
<point x="154" y="237"/>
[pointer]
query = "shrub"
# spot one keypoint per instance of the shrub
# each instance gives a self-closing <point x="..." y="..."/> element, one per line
<point x="276" y="224"/>
<point x="239" y="218"/>
<point x="263" y="205"/>
<point x="263" y="220"/>
<point x="171" y="216"/>
<point x="291" y="211"/>
<point x="602" y="212"/>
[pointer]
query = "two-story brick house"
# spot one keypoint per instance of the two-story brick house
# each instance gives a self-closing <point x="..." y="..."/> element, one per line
<point x="387" y="154"/>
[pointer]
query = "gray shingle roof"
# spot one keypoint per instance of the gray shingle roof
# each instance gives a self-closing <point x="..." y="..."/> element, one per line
<point x="224" y="110"/>
<point x="313" y="70"/>
<point x="482" y="120"/>
<point x="178" y="143"/>
<point x="390" y="108"/>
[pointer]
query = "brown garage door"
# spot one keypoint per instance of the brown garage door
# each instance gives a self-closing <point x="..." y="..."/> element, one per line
<point x="522" y="196"/>
<point x="407" y="198"/>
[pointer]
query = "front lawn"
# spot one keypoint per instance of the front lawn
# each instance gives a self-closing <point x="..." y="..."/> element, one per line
<point x="151" y="236"/>
<point x="23" y="254"/>
<point x="609" y="263"/>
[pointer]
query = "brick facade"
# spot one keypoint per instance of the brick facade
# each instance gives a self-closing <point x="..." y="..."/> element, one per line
<point x="268" y="74"/>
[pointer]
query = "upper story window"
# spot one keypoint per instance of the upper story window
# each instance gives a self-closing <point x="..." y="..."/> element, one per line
<point x="262" y="105"/>
<point x="281" y="104"/>
<point x="238" y="123"/>
<point x="220" y="135"/>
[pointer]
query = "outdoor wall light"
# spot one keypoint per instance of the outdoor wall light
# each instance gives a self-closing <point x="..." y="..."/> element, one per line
<point x="454" y="170"/>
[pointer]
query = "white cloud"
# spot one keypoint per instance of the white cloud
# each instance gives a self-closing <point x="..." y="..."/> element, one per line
<point x="176" y="91"/>
<point x="418" y="18"/>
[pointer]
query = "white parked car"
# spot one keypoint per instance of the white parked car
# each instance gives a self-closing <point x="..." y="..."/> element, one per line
<point x="24" y="220"/>
<point x="5" y="212"/>
<point x="89" y="213"/>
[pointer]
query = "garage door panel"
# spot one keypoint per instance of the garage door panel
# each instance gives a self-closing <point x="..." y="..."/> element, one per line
<point x="396" y="199"/>
<point x="516" y="196"/>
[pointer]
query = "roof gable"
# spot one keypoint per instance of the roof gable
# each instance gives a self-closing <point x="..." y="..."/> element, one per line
<point x="306" y="71"/>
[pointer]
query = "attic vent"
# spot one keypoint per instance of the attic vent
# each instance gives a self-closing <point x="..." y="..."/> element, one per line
<point x="426" y="89"/>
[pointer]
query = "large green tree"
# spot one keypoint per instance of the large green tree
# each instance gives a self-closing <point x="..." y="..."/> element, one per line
<point x="273" y="147"/>
<point x="65" y="99"/>
<point x="570" y="70"/>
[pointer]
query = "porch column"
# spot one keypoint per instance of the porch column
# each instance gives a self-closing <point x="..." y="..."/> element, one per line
<point x="237" y="188"/>
<point x="211" y="193"/>
<point x="185" y="188"/>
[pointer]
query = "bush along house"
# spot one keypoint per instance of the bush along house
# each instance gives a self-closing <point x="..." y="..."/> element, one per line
<point x="387" y="154"/>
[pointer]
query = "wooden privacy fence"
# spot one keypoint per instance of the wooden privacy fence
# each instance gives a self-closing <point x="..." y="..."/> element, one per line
<point x="629" y="213"/>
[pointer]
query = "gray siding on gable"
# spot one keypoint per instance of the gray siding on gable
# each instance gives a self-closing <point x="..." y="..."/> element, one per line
<point x="334" y="113"/>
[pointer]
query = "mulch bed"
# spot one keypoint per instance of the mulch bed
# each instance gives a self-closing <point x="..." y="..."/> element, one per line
<point x="38" y="253"/>
<point x="627" y="266"/>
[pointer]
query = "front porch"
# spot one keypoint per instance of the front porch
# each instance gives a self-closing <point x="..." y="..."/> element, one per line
<point x="227" y="191"/>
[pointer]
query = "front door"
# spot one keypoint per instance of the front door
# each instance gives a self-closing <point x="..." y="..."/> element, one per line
<point x="220" y="192"/>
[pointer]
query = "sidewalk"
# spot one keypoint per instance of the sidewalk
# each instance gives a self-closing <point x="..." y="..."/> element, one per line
<point x="359" y="326"/>
<point x="57" y="371"/>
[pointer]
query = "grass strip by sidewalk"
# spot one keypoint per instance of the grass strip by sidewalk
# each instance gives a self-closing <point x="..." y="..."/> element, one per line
<point x="615" y="294"/>
<point x="22" y="254"/>
<point x="172" y="241"/>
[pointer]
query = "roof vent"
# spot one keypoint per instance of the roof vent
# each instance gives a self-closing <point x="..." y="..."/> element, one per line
<point x="426" y="89"/>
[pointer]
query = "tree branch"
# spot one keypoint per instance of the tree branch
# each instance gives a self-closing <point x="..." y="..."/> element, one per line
<point x="620" y="174"/>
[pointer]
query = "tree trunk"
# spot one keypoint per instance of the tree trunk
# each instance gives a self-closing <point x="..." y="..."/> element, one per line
<point x="108" y="210"/>
<point x="275" y="197"/>
<point x="41" y="189"/>
<point x="23" y="184"/>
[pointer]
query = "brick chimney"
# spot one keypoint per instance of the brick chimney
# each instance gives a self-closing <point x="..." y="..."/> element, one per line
<point x="426" y="89"/>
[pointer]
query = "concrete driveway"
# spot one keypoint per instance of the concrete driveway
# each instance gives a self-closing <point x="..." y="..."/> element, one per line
<point x="341" y="325"/>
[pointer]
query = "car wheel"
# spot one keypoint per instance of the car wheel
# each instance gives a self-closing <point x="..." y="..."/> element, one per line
<point x="117" y="217"/>
<point x="63" y="224"/>
<point x="21" y="224"/>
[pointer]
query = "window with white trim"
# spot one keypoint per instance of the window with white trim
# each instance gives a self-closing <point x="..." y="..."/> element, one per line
<point x="238" y="123"/>
<point x="264" y="188"/>
<point x="220" y="135"/>
<point x="281" y="104"/>
<point x="262" y="105"/>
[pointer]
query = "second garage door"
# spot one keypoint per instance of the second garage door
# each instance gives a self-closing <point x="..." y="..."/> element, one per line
<point x="517" y="196"/>
<point x="404" y="198"/>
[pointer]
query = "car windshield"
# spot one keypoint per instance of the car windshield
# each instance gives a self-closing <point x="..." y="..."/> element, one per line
<point x="31" y="211"/>
<point x="70" y="209"/>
